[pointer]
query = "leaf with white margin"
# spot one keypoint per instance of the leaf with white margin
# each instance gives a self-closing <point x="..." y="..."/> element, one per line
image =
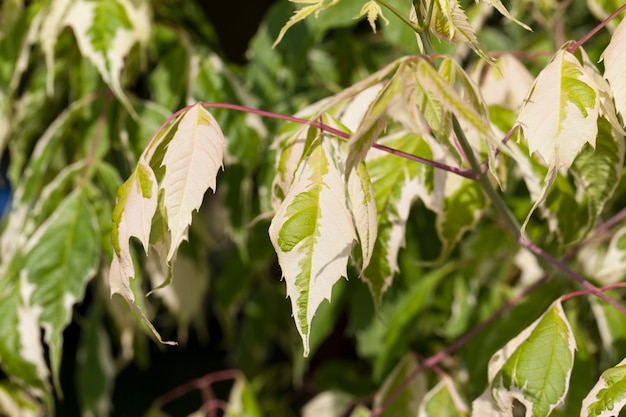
<point x="608" y="397"/>
<point x="450" y="22"/>
<point x="443" y="400"/>
<point x="328" y="404"/>
<point x="533" y="368"/>
<point x="192" y="160"/>
<point x="21" y="350"/>
<point x="409" y="400"/>
<point x="388" y="101"/>
<point x="60" y="259"/>
<point x="106" y="31"/>
<point x="316" y="6"/>
<point x="469" y="107"/>
<point x="242" y="400"/>
<point x="614" y="64"/>
<point x="363" y="208"/>
<point x="397" y="183"/>
<point x="560" y="116"/>
<point x="313" y="233"/>
<point x="132" y="217"/>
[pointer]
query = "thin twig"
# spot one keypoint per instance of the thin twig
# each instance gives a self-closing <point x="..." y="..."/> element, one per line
<point x="575" y="45"/>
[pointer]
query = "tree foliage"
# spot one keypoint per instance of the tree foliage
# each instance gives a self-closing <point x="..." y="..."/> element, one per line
<point x="445" y="207"/>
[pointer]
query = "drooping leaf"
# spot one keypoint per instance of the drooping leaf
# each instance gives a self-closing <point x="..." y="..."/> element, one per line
<point x="443" y="400"/>
<point x="60" y="258"/>
<point x="388" y="101"/>
<point x="608" y="397"/>
<point x="397" y="183"/>
<point x="312" y="233"/>
<point x="533" y="368"/>
<point x="497" y="4"/>
<point x="363" y="208"/>
<point x="106" y="31"/>
<point x="192" y="160"/>
<point x="558" y="135"/>
<point x="614" y="62"/>
<point x="467" y="106"/>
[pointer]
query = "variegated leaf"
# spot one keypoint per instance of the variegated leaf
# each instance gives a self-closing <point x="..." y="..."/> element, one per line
<point x="608" y="397"/>
<point x="560" y="116"/>
<point x="614" y="64"/>
<point x="397" y="183"/>
<point x="192" y="160"/>
<point x="60" y="258"/>
<point x="106" y="31"/>
<point x="313" y="233"/>
<point x="443" y="400"/>
<point x="534" y="368"/>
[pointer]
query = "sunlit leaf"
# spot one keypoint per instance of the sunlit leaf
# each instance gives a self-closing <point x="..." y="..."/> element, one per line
<point x="313" y="233"/>
<point x="533" y="368"/>
<point x="614" y="62"/>
<point x="558" y="135"/>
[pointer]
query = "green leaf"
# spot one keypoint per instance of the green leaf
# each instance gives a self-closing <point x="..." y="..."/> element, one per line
<point x="533" y="368"/>
<point x="409" y="400"/>
<point x="106" y="31"/>
<point x="60" y="259"/>
<point x="464" y="204"/>
<point x="557" y="136"/>
<point x="388" y="101"/>
<point x="598" y="171"/>
<point x="397" y="183"/>
<point x="313" y="233"/>
<point x="608" y="397"/>
<point x="443" y="400"/>
<point x="95" y="367"/>
<point x="242" y="401"/>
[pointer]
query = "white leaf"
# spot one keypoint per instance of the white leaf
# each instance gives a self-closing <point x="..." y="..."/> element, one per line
<point x="136" y="205"/>
<point x="559" y="117"/>
<point x="192" y="160"/>
<point x="614" y="64"/>
<point x="313" y="233"/>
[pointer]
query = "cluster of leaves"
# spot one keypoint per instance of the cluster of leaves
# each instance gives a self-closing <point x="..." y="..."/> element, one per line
<point x="379" y="180"/>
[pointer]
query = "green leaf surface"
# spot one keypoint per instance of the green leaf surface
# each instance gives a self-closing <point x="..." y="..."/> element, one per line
<point x="408" y="401"/>
<point x="397" y="183"/>
<point x="443" y="400"/>
<point x="533" y="368"/>
<point x="608" y="396"/>
<point x="60" y="259"/>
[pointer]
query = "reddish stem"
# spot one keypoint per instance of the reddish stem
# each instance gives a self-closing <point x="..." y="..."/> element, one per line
<point x="574" y="46"/>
